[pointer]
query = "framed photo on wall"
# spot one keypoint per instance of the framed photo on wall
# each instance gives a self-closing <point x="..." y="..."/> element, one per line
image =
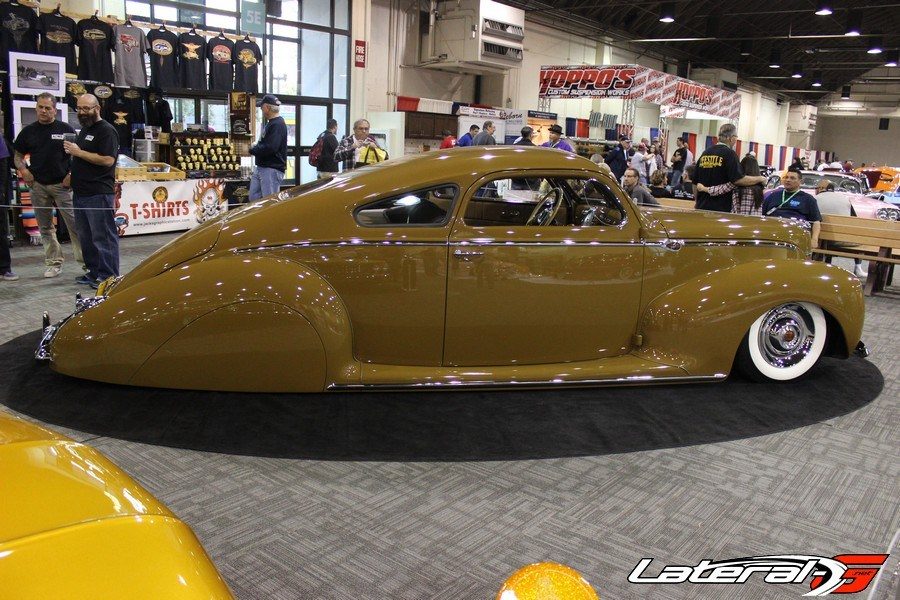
<point x="24" y="113"/>
<point x="33" y="74"/>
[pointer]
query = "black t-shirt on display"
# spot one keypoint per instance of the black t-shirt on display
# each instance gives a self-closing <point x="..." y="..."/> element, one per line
<point x="159" y="113"/>
<point x="192" y="60"/>
<point x="49" y="162"/>
<point x="96" y="44"/>
<point x="58" y="38"/>
<point x="89" y="179"/>
<point x="246" y="66"/>
<point x="219" y="51"/>
<point x="718" y="165"/>
<point x="18" y="30"/>
<point x="164" y="51"/>
<point x="798" y="205"/>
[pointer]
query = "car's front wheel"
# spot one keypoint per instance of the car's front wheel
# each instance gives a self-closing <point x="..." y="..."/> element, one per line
<point x="783" y="343"/>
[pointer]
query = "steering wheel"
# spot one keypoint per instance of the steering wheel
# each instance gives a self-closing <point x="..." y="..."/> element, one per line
<point x="547" y="208"/>
<point x="600" y="216"/>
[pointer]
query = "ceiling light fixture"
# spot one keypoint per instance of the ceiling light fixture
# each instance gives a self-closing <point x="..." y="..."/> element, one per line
<point x="746" y="47"/>
<point x="775" y="59"/>
<point x="845" y="92"/>
<point x="824" y="8"/>
<point x="817" y="79"/>
<point x="874" y="45"/>
<point x="797" y="71"/>
<point x="891" y="58"/>
<point x="667" y="12"/>
<point x="854" y="23"/>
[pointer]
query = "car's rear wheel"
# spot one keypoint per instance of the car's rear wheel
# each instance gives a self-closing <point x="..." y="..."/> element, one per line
<point x="783" y="343"/>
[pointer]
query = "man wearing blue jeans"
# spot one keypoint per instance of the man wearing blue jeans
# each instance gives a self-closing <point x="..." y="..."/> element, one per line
<point x="270" y="151"/>
<point x="93" y="181"/>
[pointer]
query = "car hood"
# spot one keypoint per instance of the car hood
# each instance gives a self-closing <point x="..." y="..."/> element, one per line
<point x="702" y="225"/>
<point x="52" y="482"/>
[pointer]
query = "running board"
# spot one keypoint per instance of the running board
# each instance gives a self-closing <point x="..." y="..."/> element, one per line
<point x="619" y="370"/>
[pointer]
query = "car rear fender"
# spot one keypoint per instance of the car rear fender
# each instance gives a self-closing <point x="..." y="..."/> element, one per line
<point x="699" y="324"/>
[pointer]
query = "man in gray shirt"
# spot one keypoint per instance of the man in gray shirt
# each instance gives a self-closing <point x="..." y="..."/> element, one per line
<point x="632" y="186"/>
<point x="486" y="137"/>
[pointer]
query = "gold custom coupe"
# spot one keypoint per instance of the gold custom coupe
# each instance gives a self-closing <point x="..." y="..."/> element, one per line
<point x="486" y="266"/>
<point x="72" y="525"/>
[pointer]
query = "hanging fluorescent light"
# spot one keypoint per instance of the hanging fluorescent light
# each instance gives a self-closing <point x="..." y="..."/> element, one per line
<point x="891" y="58"/>
<point x="775" y="58"/>
<point x="817" y="79"/>
<point x="854" y="23"/>
<point x="797" y="71"/>
<point x="667" y="12"/>
<point x="845" y="92"/>
<point x="874" y="45"/>
<point x="824" y="8"/>
<point x="746" y="47"/>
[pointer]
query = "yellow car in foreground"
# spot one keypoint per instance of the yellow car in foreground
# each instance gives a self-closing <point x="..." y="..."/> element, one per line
<point x="485" y="266"/>
<point x="72" y="525"/>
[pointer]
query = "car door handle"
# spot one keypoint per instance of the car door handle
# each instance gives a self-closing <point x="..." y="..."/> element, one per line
<point x="468" y="255"/>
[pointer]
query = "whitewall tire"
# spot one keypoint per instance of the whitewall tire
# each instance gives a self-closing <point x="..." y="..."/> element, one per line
<point x="784" y="343"/>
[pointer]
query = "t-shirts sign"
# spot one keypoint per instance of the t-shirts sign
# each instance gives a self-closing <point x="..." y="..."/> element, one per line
<point x="359" y="53"/>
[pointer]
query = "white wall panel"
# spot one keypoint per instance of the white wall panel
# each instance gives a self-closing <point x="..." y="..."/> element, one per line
<point x="859" y="139"/>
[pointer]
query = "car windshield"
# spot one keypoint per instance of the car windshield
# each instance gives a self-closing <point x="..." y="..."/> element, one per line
<point x="841" y="184"/>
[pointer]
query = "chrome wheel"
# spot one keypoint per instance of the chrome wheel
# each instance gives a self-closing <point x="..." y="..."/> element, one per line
<point x="786" y="336"/>
<point x="785" y="342"/>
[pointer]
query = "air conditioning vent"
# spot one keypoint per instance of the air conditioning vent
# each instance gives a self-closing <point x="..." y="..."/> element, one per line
<point x="500" y="51"/>
<point x="504" y="30"/>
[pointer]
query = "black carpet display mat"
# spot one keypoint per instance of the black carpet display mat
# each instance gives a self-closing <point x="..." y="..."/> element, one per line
<point x="453" y="425"/>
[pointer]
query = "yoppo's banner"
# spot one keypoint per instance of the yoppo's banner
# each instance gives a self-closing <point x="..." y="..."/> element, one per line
<point x="155" y="206"/>
<point x="636" y="82"/>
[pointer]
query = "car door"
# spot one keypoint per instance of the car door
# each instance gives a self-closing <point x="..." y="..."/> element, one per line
<point x="555" y="289"/>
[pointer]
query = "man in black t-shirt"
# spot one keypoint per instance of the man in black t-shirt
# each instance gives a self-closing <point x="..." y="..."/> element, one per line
<point x="790" y="202"/>
<point x="679" y="161"/>
<point x="47" y="174"/>
<point x="93" y="182"/>
<point x="327" y="165"/>
<point x="718" y="165"/>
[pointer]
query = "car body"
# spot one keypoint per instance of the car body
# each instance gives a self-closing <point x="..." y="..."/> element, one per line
<point x="881" y="179"/>
<point x="848" y="198"/>
<point x="73" y="525"/>
<point x="483" y="266"/>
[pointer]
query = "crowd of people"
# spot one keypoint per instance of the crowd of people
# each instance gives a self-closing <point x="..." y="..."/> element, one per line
<point x="76" y="176"/>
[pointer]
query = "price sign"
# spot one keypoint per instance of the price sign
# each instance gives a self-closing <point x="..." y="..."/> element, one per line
<point x="253" y="17"/>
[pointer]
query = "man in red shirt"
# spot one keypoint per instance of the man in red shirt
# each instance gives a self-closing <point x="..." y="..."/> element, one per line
<point x="449" y="140"/>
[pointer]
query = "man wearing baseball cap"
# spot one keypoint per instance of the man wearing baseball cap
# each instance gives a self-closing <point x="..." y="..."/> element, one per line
<point x="556" y="140"/>
<point x="270" y="151"/>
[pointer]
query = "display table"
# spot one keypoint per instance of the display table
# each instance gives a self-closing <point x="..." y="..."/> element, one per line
<point x="157" y="206"/>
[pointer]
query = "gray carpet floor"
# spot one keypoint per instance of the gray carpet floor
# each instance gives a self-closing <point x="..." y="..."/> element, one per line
<point x="280" y="528"/>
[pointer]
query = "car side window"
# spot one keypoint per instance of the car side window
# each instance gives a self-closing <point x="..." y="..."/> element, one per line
<point x="428" y="207"/>
<point x="543" y="201"/>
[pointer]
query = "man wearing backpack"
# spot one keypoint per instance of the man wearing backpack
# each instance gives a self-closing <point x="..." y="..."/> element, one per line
<point x="322" y="154"/>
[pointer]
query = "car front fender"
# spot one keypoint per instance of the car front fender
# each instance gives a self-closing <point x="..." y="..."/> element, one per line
<point x="228" y="315"/>
<point x="699" y="324"/>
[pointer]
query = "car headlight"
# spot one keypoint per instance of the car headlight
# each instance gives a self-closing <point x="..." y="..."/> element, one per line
<point x="884" y="214"/>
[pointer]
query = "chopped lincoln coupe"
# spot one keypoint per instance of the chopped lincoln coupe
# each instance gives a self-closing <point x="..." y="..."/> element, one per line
<point x="485" y="266"/>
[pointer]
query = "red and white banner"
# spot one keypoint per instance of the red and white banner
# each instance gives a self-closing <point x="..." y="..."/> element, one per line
<point x="637" y="82"/>
<point x="155" y="206"/>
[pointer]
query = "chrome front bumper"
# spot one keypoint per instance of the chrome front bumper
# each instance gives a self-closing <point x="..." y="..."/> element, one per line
<point x="48" y="331"/>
